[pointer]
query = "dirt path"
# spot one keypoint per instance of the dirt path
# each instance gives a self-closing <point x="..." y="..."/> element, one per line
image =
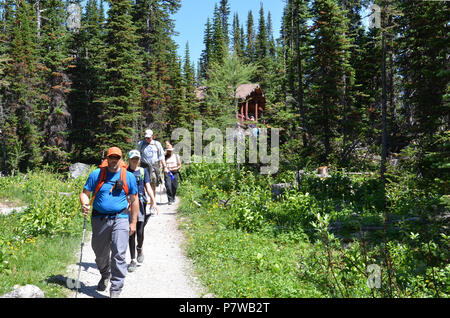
<point x="7" y="207"/>
<point x="166" y="271"/>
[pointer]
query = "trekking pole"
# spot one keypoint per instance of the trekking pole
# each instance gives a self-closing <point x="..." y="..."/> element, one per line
<point x="81" y="257"/>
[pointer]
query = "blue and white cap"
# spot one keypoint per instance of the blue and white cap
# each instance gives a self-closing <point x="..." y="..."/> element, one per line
<point x="133" y="154"/>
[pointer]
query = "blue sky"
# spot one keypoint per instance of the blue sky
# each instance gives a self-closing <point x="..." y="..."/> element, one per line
<point x="190" y="20"/>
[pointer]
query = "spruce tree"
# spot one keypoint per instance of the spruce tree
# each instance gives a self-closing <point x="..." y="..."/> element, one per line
<point x="271" y="38"/>
<point x="261" y="45"/>
<point x="190" y="111"/>
<point x="237" y="39"/>
<point x="263" y="59"/>
<point x="250" y="39"/>
<point x="296" y="51"/>
<point x="219" y="45"/>
<point x="223" y="80"/>
<point x="423" y="66"/>
<point x="121" y="98"/>
<point x="361" y="120"/>
<point x="330" y="61"/>
<point x="54" y="116"/>
<point x="207" y="51"/>
<point x="23" y="137"/>
<point x="161" y="66"/>
<point x="88" y="77"/>
<point x="225" y="13"/>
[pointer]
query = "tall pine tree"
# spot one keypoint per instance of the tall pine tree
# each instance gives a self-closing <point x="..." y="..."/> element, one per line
<point x="330" y="62"/>
<point x="250" y="39"/>
<point x="121" y="98"/>
<point x="88" y="76"/>
<point x="23" y="137"/>
<point x="55" y="118"/>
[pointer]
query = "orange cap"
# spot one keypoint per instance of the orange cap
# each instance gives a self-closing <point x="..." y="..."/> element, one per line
<point x="114" y="151"/>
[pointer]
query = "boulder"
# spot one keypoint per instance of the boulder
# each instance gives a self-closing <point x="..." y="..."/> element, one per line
<point x="78" y="169"/>
<point x="28" y="291"/>
<point x="298" y="176"/>
<point x="279" y="188"/>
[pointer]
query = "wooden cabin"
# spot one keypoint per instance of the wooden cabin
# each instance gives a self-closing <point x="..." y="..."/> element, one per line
<point x="251" y="102"/>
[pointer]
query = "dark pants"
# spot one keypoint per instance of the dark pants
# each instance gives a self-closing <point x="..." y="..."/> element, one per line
<point x="171" y="186"/>
<point x="140" y="226"/>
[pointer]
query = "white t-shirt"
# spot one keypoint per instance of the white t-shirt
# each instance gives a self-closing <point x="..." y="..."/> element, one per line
<point x="151" y="153"/>
<point x="172" y="161"/>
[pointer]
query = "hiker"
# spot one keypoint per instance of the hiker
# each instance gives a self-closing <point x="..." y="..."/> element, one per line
<point x="254" y="130"/>
<point x="152" y="155"/>
<point x="143" y="183"/>
<point x="112" y="224"/>
<point x="171" y="177"/>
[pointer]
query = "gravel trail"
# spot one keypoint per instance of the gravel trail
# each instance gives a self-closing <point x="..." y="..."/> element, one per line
<point x="166" y="271"/>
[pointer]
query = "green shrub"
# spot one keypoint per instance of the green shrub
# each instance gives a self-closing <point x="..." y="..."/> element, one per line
<point x="335" y="228"/>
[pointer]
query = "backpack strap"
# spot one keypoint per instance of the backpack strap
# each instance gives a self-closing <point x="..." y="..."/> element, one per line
<point x="102" y="179"/>
<point x="158" y="149"/>
<point x="100" y="183"/>
<point x="123" y="176"/>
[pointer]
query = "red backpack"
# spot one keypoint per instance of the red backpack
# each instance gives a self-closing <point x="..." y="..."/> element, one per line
<point x="103" y="171"/>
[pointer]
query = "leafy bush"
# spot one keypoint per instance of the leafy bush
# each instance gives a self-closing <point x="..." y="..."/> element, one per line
<point x="53" y="205"/>
<point x="343" y="226"/>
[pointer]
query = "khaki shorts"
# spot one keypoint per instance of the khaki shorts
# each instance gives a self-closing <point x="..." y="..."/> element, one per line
<point x="155" y="180"/>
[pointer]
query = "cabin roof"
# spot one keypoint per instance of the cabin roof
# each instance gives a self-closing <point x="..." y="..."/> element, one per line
<point x="245" y="90"/>
<point x="242" y="92"/>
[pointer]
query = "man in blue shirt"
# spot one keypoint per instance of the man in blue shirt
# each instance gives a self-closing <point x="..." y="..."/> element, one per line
<point x="112" y="224"/>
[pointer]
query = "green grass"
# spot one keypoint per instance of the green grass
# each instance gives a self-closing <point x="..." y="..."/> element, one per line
<point x="256" y="246"/>
<point x="38" y="244"/>
<point x="37" y="261"/>
<point x="234" y="263"/>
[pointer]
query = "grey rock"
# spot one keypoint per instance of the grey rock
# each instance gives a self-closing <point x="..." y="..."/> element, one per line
<point x="6" y="211"/>
<point x="279" y="188"/>
<point x="78" y="169"/>
<point x="28" y="291"/>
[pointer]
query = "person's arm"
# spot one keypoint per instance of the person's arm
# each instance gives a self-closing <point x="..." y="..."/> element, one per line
<point x="161" y="158"/>
<point x="178" y="167"/>
<point x="150" y="193"/>
<point x="85" y="204"/>
<point x="164" y="165"/>
<point x="134" y="204"/>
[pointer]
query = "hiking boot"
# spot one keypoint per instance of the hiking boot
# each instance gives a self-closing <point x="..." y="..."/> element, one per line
<point x="103" y="283"/>
<point x="132" y="266"/>
<point x="140" y="257"/>
<point x="114" y="294"/>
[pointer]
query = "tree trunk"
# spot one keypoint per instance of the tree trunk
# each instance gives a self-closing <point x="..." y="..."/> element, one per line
<point x="2" y="133"/>
<point x="301" y="108"/>
<point x="38" y="18"/>
<point x="383" y="108"/>
<point x="344" y="103"/>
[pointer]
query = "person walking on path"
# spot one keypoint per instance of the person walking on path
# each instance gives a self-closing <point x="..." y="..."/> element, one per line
<point x="152" y="156"/>
<point x="112" y="224"/>
<point x="143" y="183"/>
<point x="171" y="177"/>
